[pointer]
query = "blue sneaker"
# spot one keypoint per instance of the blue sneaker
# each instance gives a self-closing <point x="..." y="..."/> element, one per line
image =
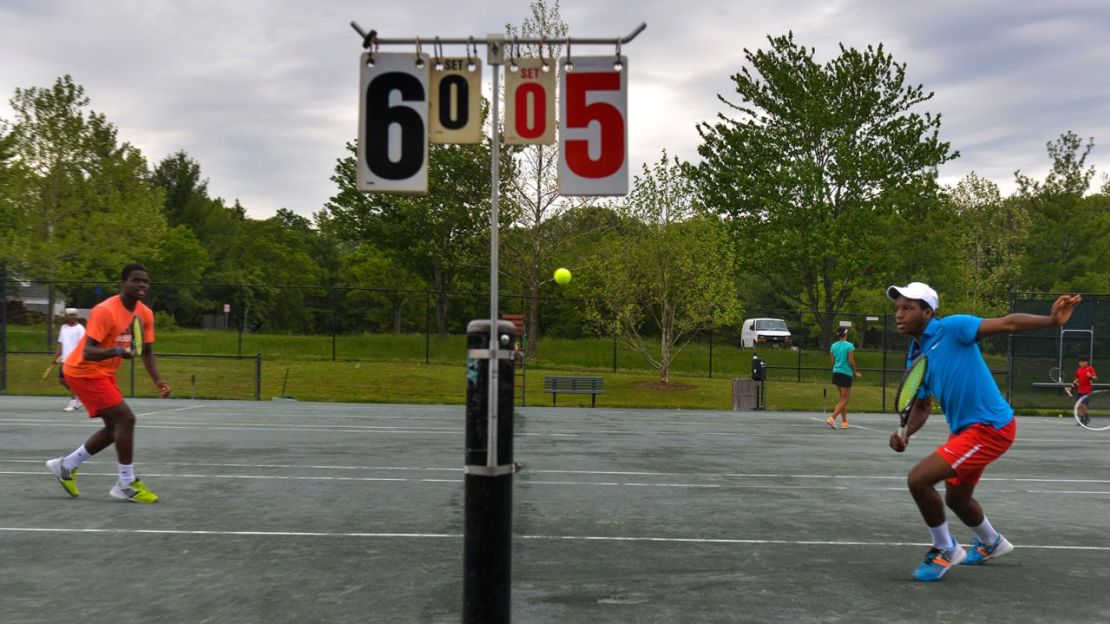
<point x="937" y="563"/>
<point x="980" y="553"/>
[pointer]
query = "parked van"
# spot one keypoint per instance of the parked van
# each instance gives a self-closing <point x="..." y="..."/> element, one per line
<point x="760" y="331"/>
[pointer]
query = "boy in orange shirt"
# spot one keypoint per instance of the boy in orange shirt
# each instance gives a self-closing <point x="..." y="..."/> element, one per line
<point x="90" y="372"/>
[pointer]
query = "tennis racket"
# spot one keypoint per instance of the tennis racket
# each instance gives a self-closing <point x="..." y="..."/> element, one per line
<point x="136" y="337"/>
<point x="907" y="392"/>
<point x="1093" y="411"/>
<point x="46" y="373"/>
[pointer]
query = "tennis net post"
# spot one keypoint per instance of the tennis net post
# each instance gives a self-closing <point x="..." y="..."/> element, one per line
<point x="488" y="513"/>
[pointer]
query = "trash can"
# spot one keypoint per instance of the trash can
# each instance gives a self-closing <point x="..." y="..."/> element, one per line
<point x="744" y="397"/>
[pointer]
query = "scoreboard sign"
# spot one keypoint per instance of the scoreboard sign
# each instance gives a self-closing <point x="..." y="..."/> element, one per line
<point x="530" y="103"/>
<point x="593" y="128"/>
<point x="406" y="104"/>
<point x="456" y="101"/>
<point x="393" y="126"/>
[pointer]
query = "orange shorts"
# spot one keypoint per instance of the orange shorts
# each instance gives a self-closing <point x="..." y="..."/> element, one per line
<point x="97" y="393"/>
<point x="970" y="451"/>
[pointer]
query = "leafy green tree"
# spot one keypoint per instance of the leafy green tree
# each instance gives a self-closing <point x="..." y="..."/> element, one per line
<point x="1066" y="246"/>
<point x="380" y="284"/>
<point x="13" y="182"/>
<point x="820" y="163"/>
<point x="538" y="236"/>
<point x="443" y="237"/>
<point x="669" y="277"/>
<point x="182" y="261"/>
<point x="86" y="202"/>
<point x="991" y="233"/>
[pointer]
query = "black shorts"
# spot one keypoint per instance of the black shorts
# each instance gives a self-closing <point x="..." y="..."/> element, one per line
<point x="842" y="380"/>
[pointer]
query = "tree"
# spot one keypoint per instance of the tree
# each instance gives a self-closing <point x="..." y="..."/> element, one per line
<point x="538" y="236"/>
<point x="84" y="192"/>
<point x="1066" y="246"/>
<point x="820" y="163"/>
<point x="440" y="237"/>
<point x="379" y="282"/>
<point x="669" y="276"/>
<point x="991" y="232"/>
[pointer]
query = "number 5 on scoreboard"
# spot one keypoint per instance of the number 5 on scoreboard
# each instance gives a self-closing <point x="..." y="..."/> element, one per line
<point x="593" y="128"/>
<point x="393" y="125"/>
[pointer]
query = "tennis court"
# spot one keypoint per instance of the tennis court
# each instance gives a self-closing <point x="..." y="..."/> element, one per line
<point x="308" y="512"/>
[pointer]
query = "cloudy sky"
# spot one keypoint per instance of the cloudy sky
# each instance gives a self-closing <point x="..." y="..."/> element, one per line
<point x="263" y="93"/>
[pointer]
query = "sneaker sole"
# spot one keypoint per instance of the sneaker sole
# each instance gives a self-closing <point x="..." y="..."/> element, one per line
<point x="955" y="562"/>
<point x="115" y="492"/>
<point x="59" y="478"/>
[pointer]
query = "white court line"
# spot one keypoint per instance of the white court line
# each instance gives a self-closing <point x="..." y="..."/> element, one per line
<point x="176" y="409"/>
<point x="530" y="482"/>
<point x="585" y="538"/>
<point x="528" y="470"/>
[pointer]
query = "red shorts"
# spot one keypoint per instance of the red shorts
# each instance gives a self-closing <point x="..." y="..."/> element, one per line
<point x="97" y="393"/>
<point x="970" y="451"/>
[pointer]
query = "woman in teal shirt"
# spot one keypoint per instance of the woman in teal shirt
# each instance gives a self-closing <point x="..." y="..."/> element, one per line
<point x="844" y="369"/>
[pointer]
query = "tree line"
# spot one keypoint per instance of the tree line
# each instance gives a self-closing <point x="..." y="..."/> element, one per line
<point x="815" y="190"/>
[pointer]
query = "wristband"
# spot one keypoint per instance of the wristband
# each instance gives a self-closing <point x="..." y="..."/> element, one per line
<point x="118" y="351"/>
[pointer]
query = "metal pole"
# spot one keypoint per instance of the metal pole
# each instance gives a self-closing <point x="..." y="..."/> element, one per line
<point x="884" y="363"/>
<point x="711" y="354"/>
<point x="3" y="328"/>
<point x="257" y="376"/>
<point x="427" y="328"/>
<point x="495" y="181"/>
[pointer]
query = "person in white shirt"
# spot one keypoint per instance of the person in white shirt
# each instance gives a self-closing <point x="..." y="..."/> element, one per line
<point x="69" y="336"/>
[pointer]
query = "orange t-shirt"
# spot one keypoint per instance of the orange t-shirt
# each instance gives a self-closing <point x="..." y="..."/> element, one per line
<point x="109" y="325"/>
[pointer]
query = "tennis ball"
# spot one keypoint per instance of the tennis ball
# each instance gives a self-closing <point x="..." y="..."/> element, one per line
<point x="562" y="276"/>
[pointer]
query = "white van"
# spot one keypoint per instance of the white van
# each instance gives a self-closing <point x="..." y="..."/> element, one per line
<point x="760" y="331"/>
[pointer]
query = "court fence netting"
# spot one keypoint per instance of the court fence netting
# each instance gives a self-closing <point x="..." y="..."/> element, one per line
<point x="213" y="338"/>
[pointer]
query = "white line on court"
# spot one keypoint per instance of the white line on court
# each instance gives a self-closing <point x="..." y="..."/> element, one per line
<point x="529" y="470"/>
<point x="176" y="409"/>
<point x="529" y="482"/>
<point x="586" y="538"/>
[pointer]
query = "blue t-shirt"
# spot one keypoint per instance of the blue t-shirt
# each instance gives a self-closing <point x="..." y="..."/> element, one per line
<point x="958" y="376"/>
<point x="840" y="350"/>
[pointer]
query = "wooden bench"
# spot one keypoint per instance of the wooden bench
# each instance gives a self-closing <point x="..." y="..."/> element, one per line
<point x="574" y="385"/>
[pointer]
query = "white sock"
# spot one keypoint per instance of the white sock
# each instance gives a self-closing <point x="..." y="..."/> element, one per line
<point x="126" y="473"/>
<point x="985" y="532"/>
<point x="76" y="458"/>
<point x="942" y="538"/>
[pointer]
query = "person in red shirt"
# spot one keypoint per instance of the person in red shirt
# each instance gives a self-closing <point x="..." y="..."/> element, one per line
<point x="90" y="371"/>
<point x="1083" y="384"/>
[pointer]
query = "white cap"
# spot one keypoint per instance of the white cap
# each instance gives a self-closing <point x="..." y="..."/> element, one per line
<point x="914" y="290"/>
<point x="71" y="310"/>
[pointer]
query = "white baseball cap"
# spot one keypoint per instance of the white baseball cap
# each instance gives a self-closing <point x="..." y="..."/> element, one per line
<point x="71" y="310"/>
<point x="914" y="290"/>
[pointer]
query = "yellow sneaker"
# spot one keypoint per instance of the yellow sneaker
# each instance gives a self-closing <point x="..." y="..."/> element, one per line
<point x="830" y="421"/>
<point x="136" y="492"/>
<point x="65" y="476"/>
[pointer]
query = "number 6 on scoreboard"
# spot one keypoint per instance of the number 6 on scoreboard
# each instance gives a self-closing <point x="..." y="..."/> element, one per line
<point x="393" y="125"/>
<point x="593" y="128"/>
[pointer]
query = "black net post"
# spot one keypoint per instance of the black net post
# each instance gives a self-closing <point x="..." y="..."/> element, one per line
<point x="488" y="515"/>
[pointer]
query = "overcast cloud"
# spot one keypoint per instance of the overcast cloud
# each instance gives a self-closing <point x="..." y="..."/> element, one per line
<point x="264" y="93"/>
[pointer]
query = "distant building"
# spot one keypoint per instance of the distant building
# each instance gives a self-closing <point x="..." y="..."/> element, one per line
<point x="36" y="298"/>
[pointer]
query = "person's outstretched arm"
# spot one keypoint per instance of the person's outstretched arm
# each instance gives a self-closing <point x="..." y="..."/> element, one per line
<point x="1019" y="322"/>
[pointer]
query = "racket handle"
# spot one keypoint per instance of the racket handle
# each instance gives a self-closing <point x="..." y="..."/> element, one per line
<point x="902" y="433"/>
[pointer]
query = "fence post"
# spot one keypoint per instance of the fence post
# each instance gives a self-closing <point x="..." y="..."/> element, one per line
<point x="799" y="364"/>
<point x="257" y="376"/>
<point x="614" y="353"/>
<point x="427" y="328"/>
<point x="884" y="361"/>
<point x="3" y="328"/>
<point x="711" y="354"/>
<point x="1010" y="355"/>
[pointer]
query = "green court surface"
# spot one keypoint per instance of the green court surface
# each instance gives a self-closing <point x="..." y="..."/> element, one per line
<point x="310" y="512"/>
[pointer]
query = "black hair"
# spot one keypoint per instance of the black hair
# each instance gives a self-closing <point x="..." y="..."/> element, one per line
<point x="127" y="270"/>
<point x="1084" y="358"/>
<point x="841" y="331"/>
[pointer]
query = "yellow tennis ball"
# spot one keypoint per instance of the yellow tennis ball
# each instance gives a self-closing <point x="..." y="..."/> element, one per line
<point x="562" y="276"/>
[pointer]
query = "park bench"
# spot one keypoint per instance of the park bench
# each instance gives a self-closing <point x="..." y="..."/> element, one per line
<point x="574" y="385"/>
